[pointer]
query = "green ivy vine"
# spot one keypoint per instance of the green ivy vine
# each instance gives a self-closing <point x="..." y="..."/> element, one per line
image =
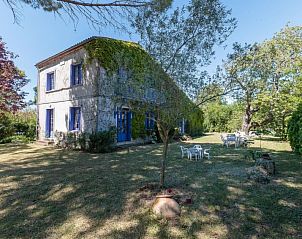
<point x="112" y="54"/>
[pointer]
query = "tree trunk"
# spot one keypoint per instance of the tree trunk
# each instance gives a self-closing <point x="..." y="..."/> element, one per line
<point x="247" y="119"/>
<point x="163" y="164"/>
<point x="164" y="135"/>
<point x="283" y="128"/>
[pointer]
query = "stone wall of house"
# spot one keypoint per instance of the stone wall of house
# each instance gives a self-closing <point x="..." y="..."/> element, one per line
<point x="65" y="96"/>
<point x="97" y="96"/>
<point x="106" y="102"/>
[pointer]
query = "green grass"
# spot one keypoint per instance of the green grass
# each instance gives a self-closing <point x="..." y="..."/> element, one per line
<point x="51" y="193"/>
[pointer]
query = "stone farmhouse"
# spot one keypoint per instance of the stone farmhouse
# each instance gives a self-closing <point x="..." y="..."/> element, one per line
<point x="75" y="93"/>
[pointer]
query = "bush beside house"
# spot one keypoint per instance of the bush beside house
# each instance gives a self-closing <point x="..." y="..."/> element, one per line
<point x="20" y="126"/>
<point x="95" y="142"/>
<point x="295" y="130"/>
<point x="194" y="126"/>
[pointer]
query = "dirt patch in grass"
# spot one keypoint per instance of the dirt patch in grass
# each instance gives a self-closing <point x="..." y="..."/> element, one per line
<point x="148" y="193"/>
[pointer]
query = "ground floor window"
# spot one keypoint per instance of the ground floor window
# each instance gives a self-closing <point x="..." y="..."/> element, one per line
<point x="123" y="124"/>
<point x="75" y="118"/>
<point x="49" y="123"/>
<point x="182" y="126"/>
<point x="149" y="121"/>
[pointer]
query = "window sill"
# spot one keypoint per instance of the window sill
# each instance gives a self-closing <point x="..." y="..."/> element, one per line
<point x="66" y="88"/>
<point x="50" y="91"/>
<point x="74" y="131"/>
<point x="73" y="86"/>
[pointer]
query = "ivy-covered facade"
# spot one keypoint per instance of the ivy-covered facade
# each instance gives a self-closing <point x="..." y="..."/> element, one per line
<point x="98" y="84"/>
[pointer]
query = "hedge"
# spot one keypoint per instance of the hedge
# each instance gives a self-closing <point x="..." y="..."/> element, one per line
<point x="295" y="130"/>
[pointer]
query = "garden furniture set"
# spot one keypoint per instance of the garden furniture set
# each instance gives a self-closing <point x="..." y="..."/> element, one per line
<point x="196" y="152"/>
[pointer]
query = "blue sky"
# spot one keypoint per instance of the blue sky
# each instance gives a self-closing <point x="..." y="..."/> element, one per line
<point x="43" y="34"/>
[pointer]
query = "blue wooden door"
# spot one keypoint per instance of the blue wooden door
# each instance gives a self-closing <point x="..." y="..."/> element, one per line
<point x="123" y="126"/>
<point x="49" y="123"/>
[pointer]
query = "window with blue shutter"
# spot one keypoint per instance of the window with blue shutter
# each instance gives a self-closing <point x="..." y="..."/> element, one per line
<point x="75" y="118"/>
<point x="149" y="121"/>
<point x="50" y="81"/>
<point x="49" y="123"/>
<point x="123" y="123"/>
<point x="152" y="121"/>
<point x="76" y="75"/>
<point x="128" y="134"/>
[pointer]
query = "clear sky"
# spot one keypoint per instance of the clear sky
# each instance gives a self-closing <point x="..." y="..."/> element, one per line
<point x="43" y="34"/>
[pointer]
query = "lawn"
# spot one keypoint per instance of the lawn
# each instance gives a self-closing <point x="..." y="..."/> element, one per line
<point x="52" y="193"/>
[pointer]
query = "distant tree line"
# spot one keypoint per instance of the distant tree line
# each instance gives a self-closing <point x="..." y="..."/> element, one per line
<point x="264" y="83"/>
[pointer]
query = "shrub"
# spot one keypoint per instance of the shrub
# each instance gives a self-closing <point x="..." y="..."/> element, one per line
<point x="6" y="128"/>
<point x="194" y="123"/>
<point x="96" y="142"/>
<point x="17" y="124"/>
<point x="82" y="140"/>
<point x="66" y="140"/>
<point x="295" y="130"/>
<point x="101" y="142"/>
<point x="6" y="140"/>
<point x="15" y="139"/>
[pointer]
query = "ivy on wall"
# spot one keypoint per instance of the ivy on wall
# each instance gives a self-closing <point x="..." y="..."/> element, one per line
<point x="113" y="54"/>
<point x="138" y="124"/>
<point x="194" y="126"/>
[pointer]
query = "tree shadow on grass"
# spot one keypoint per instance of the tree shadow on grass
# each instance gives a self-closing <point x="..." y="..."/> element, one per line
<point x="61" y="193"/>
<point x="42" y="192"/>
<point x="13" y="147"/>
<point x="241" y="208"/>
<point x="272" y="139"/>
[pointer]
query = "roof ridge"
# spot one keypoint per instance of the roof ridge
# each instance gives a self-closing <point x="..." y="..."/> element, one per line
<point x="74" y="47"/>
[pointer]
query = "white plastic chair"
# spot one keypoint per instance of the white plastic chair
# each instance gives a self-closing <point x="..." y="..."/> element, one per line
<point x="193" y="152"/>
<point x="184" y="151"/>
<point x="200" y="150"/>
<point x="206" y="153"/>
<point x="224" y="140"/>
<point x="231" y="138"/>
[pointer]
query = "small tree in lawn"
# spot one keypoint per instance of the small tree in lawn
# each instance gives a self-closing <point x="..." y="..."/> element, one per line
<point x="181" y="42"/>
<point x="170" y="105"/>
<point x="11" y="82"/>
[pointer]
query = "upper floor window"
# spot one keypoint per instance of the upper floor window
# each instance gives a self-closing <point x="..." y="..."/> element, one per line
<point x="50" y="81"/>
<point x="123" y="74"/>
<point x="75" y="118"/>
<point x="76" y="74"/>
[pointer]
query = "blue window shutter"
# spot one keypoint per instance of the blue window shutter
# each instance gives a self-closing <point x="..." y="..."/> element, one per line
<point x="48" y="82"/>
<point x="80" y="73"/>
<point x="72" y="75"/>
<point x="47" y="124"/>
<point x="129" y="125"/>
<point x="152" y="121"/>
<point x="79" y="118"/>
<point x="52" y="79"/>
<point x="118" y="120"/>
<point x="121" y="121"/>
<point x="146" y="121"/>
<point x="71" y="119"/>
